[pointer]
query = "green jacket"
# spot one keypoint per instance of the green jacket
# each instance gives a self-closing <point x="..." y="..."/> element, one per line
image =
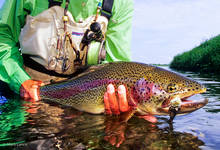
<point x="12" y="19"/>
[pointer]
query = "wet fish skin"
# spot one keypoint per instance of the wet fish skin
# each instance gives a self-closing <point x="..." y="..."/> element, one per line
<point x="85" y="92"/>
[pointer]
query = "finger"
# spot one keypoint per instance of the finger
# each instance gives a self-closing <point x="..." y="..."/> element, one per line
<point x="121" y="139"/>
<point x="112" y="99"/>
<point x="37" y="83"/>
<point x="34" y="94"/>
<point x="149" y="118"/>
<point x="35" y="86"/>
<point x="112" y="140"/>
<point x="40" y="83"/>
<point x="35" y="90"/>
<point x="107" y="105"/>
<point x="123" y="103"/>
<point x="32" y="110"/>
<point x="23" y="94"/>
<point x="38" y="93"/>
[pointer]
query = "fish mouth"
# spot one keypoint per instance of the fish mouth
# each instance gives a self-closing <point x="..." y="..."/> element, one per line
<point x="184" y="104"/>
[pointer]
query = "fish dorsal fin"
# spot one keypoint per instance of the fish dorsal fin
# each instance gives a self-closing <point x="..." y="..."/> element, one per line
<point x="87" y="70"/>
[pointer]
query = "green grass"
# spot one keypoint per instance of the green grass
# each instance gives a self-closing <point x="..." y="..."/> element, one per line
<point x="204" y="58"/>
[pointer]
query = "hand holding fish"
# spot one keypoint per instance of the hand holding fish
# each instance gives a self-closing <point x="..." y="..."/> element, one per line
<point x="112" y="104"/>
<point x="119" y="104"/>
<point x="30" y="90"/>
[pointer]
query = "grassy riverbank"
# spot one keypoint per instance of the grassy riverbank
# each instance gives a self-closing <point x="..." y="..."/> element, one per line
<point x="204" y="58"/>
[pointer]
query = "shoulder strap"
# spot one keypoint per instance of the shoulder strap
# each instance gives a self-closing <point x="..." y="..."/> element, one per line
<point x="107" y="8"/>
<point x="54" y="3"/>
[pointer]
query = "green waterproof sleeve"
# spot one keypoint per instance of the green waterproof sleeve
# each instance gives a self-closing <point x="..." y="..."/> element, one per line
<point x="12" y="18"/>
<point x="118" y="36"/>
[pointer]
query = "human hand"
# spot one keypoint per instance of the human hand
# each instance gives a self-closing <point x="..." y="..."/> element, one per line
<point x="115" y="104"/>
<point x="30" y="90"/>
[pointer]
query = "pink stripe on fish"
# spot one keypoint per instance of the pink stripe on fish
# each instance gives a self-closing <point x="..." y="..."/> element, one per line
<point x="69" y="91"/>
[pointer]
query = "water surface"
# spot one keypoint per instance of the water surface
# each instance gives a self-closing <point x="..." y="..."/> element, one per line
<point x="44" y="125"/>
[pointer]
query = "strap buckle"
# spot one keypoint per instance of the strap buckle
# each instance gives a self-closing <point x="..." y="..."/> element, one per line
<point x="107" y="8"/>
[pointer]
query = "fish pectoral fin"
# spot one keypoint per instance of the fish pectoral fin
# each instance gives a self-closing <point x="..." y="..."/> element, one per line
<point x="149" y="118"/>
<point x="87" y="70"/>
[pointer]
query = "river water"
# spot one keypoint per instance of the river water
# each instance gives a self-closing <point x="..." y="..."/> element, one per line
<point x="43" y="125"/>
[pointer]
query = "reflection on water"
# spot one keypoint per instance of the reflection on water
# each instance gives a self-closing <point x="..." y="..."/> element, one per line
<point x="41" y="125"/>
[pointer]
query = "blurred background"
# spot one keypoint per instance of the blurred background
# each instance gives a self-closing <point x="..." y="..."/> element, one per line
<point x="165" y="28"/>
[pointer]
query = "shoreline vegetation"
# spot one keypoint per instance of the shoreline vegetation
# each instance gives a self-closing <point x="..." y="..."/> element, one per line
<point x="204" y="58"/>
<point x="160" y="65"/>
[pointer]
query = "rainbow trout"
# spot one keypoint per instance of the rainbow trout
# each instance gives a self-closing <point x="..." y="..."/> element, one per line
<point x="150" y="90"/>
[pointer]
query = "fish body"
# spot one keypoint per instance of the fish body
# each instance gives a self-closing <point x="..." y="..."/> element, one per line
<point x="150" y="89"/>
